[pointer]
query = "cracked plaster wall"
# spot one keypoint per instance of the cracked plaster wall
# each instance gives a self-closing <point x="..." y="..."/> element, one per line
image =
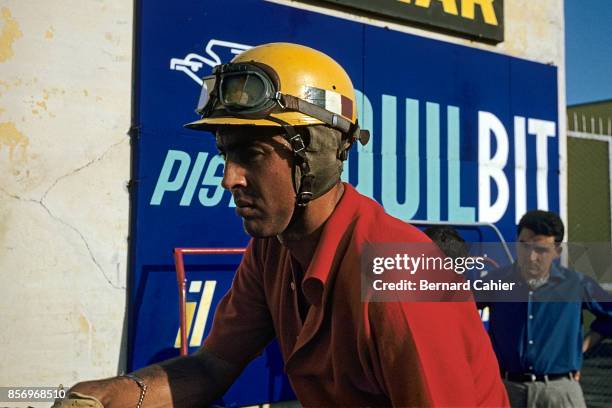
<point x="65" y="79"/>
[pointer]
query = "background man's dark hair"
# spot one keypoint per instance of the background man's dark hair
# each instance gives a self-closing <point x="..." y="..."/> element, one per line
<point x="543" y="223"/>
<point x="449" y="240"/>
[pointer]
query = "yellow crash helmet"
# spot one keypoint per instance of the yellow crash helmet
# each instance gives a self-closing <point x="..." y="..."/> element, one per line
<point x="278" y="84"/>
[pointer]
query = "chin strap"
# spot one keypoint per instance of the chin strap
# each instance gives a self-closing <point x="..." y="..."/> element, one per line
<point x="304" y="187"/>
<point x="304" y="194"/>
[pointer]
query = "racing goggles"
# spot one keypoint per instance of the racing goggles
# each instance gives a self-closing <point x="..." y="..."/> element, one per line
<point x="251" y="91"/>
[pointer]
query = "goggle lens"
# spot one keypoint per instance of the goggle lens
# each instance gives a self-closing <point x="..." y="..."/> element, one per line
<point x="243" y="90"/>
<point x="208" y="86"/>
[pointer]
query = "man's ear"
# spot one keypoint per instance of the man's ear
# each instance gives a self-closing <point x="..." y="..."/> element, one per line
<point x="558" y="250"/>
<point x="346" y="142"/>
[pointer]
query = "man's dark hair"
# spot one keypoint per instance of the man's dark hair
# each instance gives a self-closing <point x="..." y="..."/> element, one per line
<point x="543" y="223"/>
<point x="449" y="240"/>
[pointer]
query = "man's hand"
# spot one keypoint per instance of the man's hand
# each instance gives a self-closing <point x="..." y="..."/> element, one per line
<point x="77" y="400"/>
<point x="107" y="393"/>
<point x="590" y="340"/>
<point x="196" y="380"/>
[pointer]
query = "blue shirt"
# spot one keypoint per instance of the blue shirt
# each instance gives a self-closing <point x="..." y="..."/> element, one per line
<point x="540" y="334"/>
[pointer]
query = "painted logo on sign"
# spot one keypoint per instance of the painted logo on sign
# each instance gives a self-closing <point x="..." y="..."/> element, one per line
<point x="193" y="63"/>
<point x="200" y="310"/>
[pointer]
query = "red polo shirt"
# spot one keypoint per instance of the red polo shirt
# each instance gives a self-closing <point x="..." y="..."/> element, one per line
<point x="348" y="352"/>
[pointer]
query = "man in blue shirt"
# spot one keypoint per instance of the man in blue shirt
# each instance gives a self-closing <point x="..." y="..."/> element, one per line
<point x="536" y="330"/>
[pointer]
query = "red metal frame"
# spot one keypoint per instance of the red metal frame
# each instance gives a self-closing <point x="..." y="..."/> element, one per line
<point x="182" y="281"/>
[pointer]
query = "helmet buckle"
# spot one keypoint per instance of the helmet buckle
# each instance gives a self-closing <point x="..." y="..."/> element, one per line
<point x="304" y="198"/>
<point x="297" y="143"/>
<point x="278" y="98"/>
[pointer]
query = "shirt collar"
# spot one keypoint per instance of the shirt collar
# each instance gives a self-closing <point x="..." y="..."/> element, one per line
<point x="330" y="245"/>
<point x="556" y="273"/>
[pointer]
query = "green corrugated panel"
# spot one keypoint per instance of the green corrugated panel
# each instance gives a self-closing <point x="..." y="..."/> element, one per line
<point x="589" y="221"/>
<point x="588" y="190"/>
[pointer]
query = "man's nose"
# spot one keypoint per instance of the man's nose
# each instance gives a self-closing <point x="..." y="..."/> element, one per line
<point x="233" y="176"/>
<point x="533" y="256"/>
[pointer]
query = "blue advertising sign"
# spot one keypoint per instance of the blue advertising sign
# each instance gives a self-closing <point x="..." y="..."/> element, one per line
<point x="458" y="134"/>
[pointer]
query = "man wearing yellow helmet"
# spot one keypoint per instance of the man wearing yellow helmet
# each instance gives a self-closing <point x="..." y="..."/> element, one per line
<point x="284" y="117"/>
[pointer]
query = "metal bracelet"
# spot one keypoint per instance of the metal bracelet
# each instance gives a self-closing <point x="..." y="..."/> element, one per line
<point x="141" y="384"/>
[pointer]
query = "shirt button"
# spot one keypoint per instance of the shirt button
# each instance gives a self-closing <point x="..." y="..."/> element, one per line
<point x="531" y="367"/>
<point x="530" y="316"/>
<point x="530" y="293"/>
<point x="292" y="286"/>
<point x="530" y="341"/>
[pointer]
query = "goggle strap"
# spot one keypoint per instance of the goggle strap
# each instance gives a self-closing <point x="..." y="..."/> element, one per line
<point x="334" y="120"/>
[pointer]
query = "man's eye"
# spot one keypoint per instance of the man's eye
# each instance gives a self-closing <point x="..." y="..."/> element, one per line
<point x="250" y="155"/>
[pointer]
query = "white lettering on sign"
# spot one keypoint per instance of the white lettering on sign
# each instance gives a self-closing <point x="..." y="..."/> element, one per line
<point x="178" y="163"/>
<point x="520" y="168"/>
<point x="491" y="168"/>
<point x="542" y="129"/>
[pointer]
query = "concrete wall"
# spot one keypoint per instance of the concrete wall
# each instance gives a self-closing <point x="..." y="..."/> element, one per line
<point x="64" y="163"/>
<point x="65" y="78"/>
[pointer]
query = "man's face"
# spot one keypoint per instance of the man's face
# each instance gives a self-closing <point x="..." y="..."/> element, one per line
<point x="258" y="163"/>
<point x="536" y="253"/>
